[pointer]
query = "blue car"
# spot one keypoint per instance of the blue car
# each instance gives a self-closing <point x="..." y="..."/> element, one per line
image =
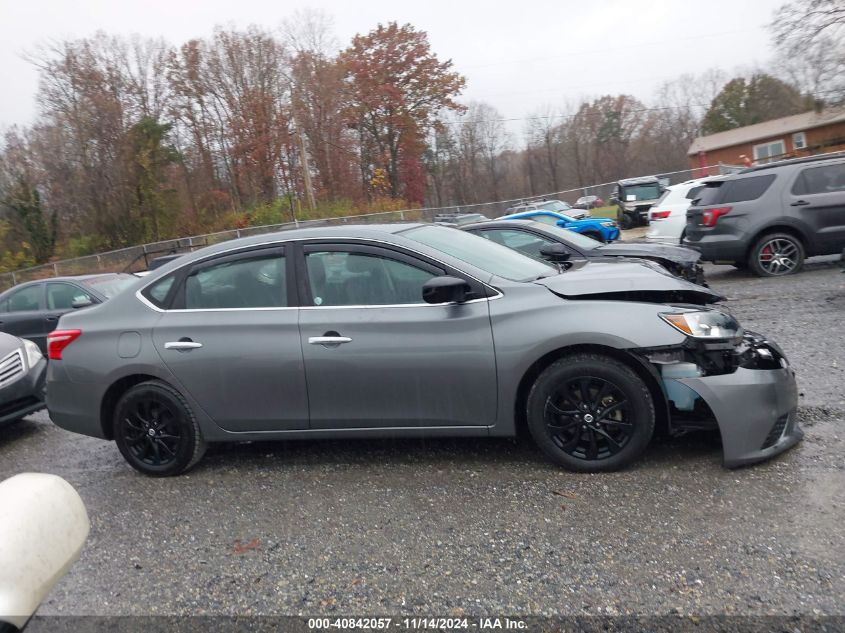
<point x="600" y="229"/>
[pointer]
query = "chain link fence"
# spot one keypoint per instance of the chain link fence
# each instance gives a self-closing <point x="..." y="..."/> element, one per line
<point x="136" y="258"/>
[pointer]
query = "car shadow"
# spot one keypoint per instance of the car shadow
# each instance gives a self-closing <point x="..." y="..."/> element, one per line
<point x="438" y="453"/>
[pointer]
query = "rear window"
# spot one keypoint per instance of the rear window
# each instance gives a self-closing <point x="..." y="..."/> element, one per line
<point x="692" y="194"/>
<point x="736" y="190"/>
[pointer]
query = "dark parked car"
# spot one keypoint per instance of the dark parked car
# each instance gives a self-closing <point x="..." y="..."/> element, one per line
<point x="771" y="217"/>
<point x="32" y="310"/>
<point x="530" y="237"/>
<point x="588" y="202"/>
<point x="22" y="374"/>
<point x="409" y="330"/>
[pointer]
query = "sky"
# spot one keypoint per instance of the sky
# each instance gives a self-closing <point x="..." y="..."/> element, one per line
<point x="522" y="57"/>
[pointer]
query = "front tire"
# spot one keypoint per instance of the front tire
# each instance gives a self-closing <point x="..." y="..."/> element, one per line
<point x="595" y="236"/>
<point x="776" y="255"/>
<point x="590" y="413"/>
<point x="156" y="431"/>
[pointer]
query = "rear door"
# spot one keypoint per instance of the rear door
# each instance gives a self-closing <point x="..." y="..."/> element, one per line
<point x="377" y="356"/>
<point x="817" y="198"/>
<point x="229" y="334"/>
<point x="22" y="314"/>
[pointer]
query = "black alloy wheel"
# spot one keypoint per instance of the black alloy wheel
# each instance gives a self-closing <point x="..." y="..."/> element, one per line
<point x="589" y="418"/>
<point x="590" y="412"/>
<point x="156" y="431"/>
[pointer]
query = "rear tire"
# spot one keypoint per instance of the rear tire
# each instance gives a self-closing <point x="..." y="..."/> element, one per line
<point x="776" y="255"/>
<point x="156" y="431"/>
<point x="590" y="413"/>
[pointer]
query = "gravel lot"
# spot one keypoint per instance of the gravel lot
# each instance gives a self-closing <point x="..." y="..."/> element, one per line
<point x="478" y="526"/>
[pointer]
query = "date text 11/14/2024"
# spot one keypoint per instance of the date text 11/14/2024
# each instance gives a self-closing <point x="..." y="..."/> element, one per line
<point x="417" y="623"/>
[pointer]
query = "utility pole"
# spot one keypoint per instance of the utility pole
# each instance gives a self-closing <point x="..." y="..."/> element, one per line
<point x="303" y="157"/>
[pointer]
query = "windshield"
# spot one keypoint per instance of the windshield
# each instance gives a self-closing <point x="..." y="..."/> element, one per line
<point x="482" y="253"/>
<point x="554" y="205"/>
<point x="110" y="285"/>
<point x="642" y="192"/>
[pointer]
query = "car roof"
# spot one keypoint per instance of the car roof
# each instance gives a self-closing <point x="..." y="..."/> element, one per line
<point x="64" y="278"/>
<point x="499" y="222"/>
<point x="795" y="161"/>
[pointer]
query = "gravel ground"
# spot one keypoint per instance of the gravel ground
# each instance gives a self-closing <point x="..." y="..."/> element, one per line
<point x="478" y="526"/>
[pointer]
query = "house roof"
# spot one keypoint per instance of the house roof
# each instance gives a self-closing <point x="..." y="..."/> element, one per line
<point x="767" y="129"/>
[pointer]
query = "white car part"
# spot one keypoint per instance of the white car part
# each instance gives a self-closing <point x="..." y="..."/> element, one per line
<point x="43" y="530"/>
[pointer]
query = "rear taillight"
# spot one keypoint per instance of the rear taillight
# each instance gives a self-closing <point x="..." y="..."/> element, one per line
<point x="660" y="215"/>
<point x="58" y="340"/>
<point x="709" y="216"/>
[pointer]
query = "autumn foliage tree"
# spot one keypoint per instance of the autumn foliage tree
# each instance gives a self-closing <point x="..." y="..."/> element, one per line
<point x="397" y="90"/>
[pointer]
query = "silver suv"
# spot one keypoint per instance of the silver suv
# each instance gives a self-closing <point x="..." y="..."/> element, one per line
<point x="771" y="217"/>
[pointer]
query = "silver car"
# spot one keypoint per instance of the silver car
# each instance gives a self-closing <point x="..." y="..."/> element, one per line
<point x="413" y="330"/>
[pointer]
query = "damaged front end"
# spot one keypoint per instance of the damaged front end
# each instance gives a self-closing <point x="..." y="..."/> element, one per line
<point x="742" y="386"/>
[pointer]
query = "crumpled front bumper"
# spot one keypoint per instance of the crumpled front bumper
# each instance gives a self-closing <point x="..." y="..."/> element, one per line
<point x="755" y="410"/>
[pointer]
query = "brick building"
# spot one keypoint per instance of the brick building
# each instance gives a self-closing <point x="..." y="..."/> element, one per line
<point x="797" y="135"/>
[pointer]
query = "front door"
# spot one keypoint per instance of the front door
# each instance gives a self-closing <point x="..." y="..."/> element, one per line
<point x="376" y="355"/>
<point x="818" y="198"/>
<point x="232" y="341"/>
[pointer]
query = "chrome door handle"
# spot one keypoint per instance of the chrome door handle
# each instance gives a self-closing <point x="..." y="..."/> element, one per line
<point x="182" y="345"/>
<point x="328" y="340"/>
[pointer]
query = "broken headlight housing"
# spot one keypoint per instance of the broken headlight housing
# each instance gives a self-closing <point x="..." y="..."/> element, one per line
<point x="704" y="324"/>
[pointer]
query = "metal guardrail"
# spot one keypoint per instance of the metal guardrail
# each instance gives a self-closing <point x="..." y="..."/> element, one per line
<point x="134" y="258"/>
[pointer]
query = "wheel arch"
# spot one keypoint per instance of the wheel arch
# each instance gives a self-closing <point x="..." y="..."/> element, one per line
<point x="780" y="227"/>
<point x="113" y="394"/>
<point x="639" y="366"/>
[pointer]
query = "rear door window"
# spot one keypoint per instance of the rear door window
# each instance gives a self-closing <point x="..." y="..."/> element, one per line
<point x="254" y="280"/>
<point x="824" y="179"/>
<point x="28" y="299"/>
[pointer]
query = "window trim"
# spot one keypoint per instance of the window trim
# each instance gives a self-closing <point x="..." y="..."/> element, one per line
<point x="317" y="246"/>
<point x="768" y="144"/>
<point x="294" y="251"/>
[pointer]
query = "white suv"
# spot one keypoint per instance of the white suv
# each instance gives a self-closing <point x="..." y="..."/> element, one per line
<point x="668" y="217"/>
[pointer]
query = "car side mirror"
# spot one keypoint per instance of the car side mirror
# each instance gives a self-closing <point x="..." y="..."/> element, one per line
<point x="555" y="253"/>
<point x="81" y="302"/>
<point x="42" y="533"/>
<point x="445" y="289"/>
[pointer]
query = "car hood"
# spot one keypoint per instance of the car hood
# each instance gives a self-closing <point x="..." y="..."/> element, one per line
<point x="626" y="281"/>
<point x="678" y="254"/>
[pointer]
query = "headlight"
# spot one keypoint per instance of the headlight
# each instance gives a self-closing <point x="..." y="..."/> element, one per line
<point x="33" y="354"/>
<point x="608" y="223"/>
<point x="705" y="324"/>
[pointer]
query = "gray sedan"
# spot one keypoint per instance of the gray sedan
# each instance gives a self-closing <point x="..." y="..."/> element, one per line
<point x="413" y="330"/>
